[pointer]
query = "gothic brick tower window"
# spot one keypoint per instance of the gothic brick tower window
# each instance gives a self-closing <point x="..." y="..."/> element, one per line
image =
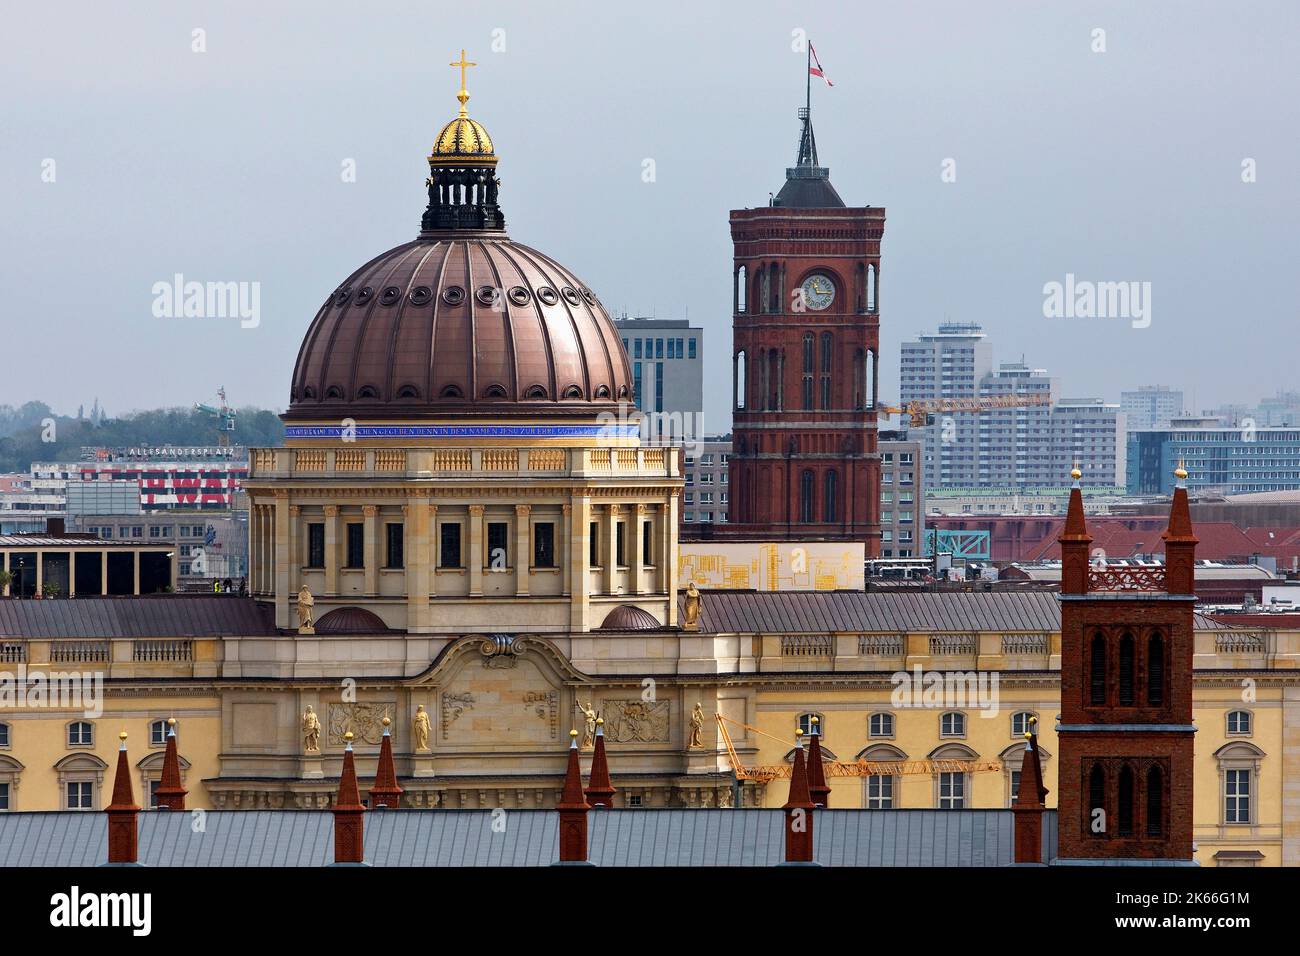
<point x="1155" y="801"/>
<point x="1126" y="668"/>
<point x="1096" y="798"/>
<point x="806" y="483"/>
<point x="808" y="371"/>
<point x="1156" y="671"/>
<point x="1097" y="676"/>
<point x="831" y="498"/>
<point x="1124" y="802"/>
<point x="828" y="354"/>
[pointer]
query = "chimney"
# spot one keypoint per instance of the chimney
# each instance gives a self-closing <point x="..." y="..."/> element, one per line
<point x="799" y="813"/>
<point x="600" y="791"/>
<point x="1074" y="541"/>
<point x="1180" y="541"/>
<point x="1030" y="802"/>
<point x="55" y="527"/>
<point x="123" y="836"/>
<point x="385" y="794"/>
<point x="573" y="812"/>
<point x="170" y="793"/>
<point x="817" y="788"/>
<point x="349" y="826"/>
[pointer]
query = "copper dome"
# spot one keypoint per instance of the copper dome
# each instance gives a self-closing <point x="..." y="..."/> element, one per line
<point x="464" y="323"/>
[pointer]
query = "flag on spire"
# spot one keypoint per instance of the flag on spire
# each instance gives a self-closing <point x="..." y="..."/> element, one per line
<point x="815" y="67"/>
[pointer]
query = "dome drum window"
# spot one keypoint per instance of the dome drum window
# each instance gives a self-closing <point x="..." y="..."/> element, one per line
<point x="488" y="295"/>
<point x="571" y="296"/>
<point x="365" y="295"/>
<point x="453" y="295"/>
<point x="519" y="295"/>
<point x="421" y="295"/>
<point x="390" y="295"/>
<point x="341" y="297"/>
<point x="547" y="295"/>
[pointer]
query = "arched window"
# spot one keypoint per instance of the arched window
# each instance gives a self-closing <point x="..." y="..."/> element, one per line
<point x="871" y="288"/>
<point x="880" y="790"/>
<point x="869" y="376"/>
<point x="1155" y="802"/>
<point x="157" y="733"/>
<point x="1238" y="723"/>
<point x="880" y="725"/>
<point x="806" y="724"/>
<point x="1096" y="801"/>
<point x="806" y="513"/>
<point x="828" y="355"/>
<point x="952" y="725"/>
<point x="1020" y="723"/>
<point x="773" y="377"/>
<point x="830" y="500"/>
<point x="741" y="382"/>
<point x="1126" y="694"/>
<point x="1156" y="671"/>
<point x="81" y="733"/>
<point x="6" y="737"/>
<point x="775" y="304"/>
<point x="1124" y="802"/>
<point x="808" y="370"/>
<point x="1097" y="672"/>
<point x="742" y="289"/>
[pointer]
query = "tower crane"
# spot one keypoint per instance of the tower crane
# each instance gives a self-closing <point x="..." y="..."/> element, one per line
<point x="223" y="413"/>
<point x="845" y="768"/>
<point x="924" y="410"/>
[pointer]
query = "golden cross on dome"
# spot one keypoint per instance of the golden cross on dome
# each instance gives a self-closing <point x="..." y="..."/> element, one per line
<point x="463" y="95"/>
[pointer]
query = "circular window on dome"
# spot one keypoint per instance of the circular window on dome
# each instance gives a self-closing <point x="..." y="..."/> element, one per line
<point x="390" y="295"/>
<point x="571" y="296"/>
<point x="421" y="295"/>
<point x="586" y="294"/>
<point x="341" y="297"/>
<point x="602" y="392"/>
<point x="408" y="391"/>
<point x="548" y="295"/>
<point x="333" y="392"/>
<point x="365" y="295"/>
<point x="495" y="391"/>
<point x="573" y="391"/>
<point x="488" y="295"/>
<point x="536" y="391"/>
<point x="518" y="295"/>
<point x="453" y="295"/>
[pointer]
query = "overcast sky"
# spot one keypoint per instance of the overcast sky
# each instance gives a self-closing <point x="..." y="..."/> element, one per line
<point x="226" y="165"/>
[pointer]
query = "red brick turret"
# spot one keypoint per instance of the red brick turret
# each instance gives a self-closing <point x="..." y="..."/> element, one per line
<point x="799" y="812"/>
<point x="123" y="837"/>
<point x="600" y="790"/>
<point x="385" y="793"/>
<point x="1180" y="541"/>
<point x="1030" y="801"/>
<point x="1075" y="542"/>
<point x="817" y="787"/>
<point x="349" y="825"/>
<point x="573" y="810"/>
<point x="170" y="794"/>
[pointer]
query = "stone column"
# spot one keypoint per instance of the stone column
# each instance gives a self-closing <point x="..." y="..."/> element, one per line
<point x="136" y="588"/>
<point x="295" y="552"/>
<point x="564" y="545"/>
<point x="419" y="516"/>
<point x="371" y="544"/>
<point x="103" y="572"/>
<point x="40" y="570"/>
<point x="579" y="566"/>
<point x="523" y="555"/>
<point x="475" y="550"/>
<point x="668" y="555"/>
<point x="611" y="544"/>
<point x="634" y="559"/>
<point x="284" y="613"/>
<point x="331" y="549"/>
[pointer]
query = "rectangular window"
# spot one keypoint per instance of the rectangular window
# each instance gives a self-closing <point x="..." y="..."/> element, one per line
<point x="81" y="734"/>
<point x="1236" y="796"/>
<point x="690" y="344"/>
<point x="449" y="545"/>
<point x="680" y="352"/>
<point x="4" y="796"/>
<point x="81" y="795"/>
<point x="659" y="348"/>
<point x="315" y="546"/>
<point x="620" y="549"/>
<point x="395" y="541"/>
<point x="356" y="545"/>
<point x="880" y="792"/>
<point x="153" y="793"/>
<point x="544" y="545"/>
<point x="4" y="736"/>
<point x="636" y="349"/>
<point x="1015" y="786"/>
<point x="647" y="551"/>
<point x="498" y="537"/>
<point x="952" y="791"/>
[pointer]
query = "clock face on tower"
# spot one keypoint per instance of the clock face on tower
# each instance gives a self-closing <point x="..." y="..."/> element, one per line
<point x="818" y="291"/>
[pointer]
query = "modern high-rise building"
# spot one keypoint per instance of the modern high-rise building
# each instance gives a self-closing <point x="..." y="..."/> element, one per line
<point x="1151" y="406"/>
<point x="706" y="469"/>
<point x="668" y="376"/>
<point x="1024" y="446"/>
<point x="1222" y="460"/>
<point x="902" y="498"/>
<point x="805" y="356"/>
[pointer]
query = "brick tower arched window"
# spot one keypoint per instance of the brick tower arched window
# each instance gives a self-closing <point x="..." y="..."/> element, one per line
<point x="1097" y="672"/>
<point x="1096" y="797"/>
<point x="1156" y="670"/>
<point x="1126" y="671"/>
<point x="806" y="512"/>
<point x="831" y="497"/>
<point x="1124" y="802"/>
<point x="1155" y="802"/>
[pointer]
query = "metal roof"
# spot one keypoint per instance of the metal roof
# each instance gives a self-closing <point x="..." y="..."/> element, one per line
<point x="802" y="612"/>
<point x="163" y="615"/>
<point x="53" y="543"/>
<point x="620" y="837"/>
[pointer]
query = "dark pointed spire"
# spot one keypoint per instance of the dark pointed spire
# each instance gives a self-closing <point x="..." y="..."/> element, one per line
<point x="349" y="826"/>
<point x="1075" y="542"/>
<point x="170" y="793"/>
<point x="573" y="809"/>
<point x="1031" y="799"/>
<point x="123" y="835"/>
<point x="600" y="790"/>
<point x="818" y="789"/>
<point x="799" y="810"/>
<point x="1180" y="540"/>
<point x="385" y="793"/>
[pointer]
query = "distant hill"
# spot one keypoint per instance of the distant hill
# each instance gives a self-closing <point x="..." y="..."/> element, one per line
<point x="24" y="434"/>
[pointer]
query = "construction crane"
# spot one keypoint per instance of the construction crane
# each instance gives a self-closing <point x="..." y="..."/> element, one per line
<point x="844" y="768"/>
<point x="924" y="410"/>
<point x="223" y="413"/>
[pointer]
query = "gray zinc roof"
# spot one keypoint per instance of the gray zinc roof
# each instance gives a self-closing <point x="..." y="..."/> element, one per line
<point x="621" y="837"/>
<point x="163" y="615"/>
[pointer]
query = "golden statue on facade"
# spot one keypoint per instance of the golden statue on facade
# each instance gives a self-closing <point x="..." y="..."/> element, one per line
<point x="693" y="602"/>
<point x="420" y="729"/>
<point x="311" y="731"/>
<point x="589" y="730"/>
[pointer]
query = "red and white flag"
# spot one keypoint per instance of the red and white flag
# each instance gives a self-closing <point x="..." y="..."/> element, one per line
<point x="816" y="67"/>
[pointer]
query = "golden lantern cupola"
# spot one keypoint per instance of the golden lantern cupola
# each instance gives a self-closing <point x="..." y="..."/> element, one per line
<point x="462" y="179"/>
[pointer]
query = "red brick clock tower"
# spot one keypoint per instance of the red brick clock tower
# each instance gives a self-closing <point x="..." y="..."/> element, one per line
<point x="1126" y="731"/>
<point x="805" y="358"/>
